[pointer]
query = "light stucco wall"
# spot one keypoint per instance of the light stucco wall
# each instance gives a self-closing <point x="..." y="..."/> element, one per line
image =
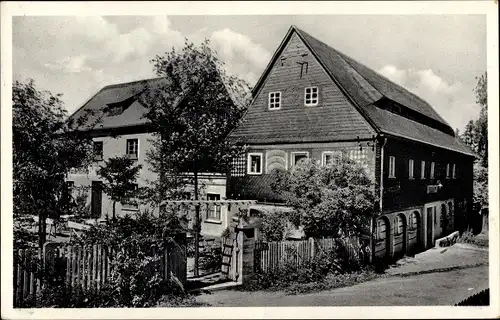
<point x="116" y="146"/>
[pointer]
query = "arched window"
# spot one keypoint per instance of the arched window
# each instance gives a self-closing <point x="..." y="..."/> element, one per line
<point x="398" y="225"/>
<point x="413" y="223"/>
<point x="381" y="229"/>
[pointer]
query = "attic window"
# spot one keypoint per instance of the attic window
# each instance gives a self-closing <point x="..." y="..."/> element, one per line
<point x="274" y="100"/>
<point x="311" y="96"/>
<point x="117" y="108"/>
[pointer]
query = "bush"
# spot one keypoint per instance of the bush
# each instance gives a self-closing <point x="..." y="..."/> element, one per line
<point x="326" y="262"/>
<point x="336" y="199"/>
<point x="273" y="225"/>
<point x="139" y="244"/>
<point x="211" y="259"/>
<point x="469" y="237"/>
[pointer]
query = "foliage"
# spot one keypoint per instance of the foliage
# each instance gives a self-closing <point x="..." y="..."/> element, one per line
<point x="329" y="200"/>
<point x="44" y="151"/>
<point x="469" y="237"/>
<point x="211" y="258"/>
<point x="191" y="113"/>
<point x="476" y="137"/>
<point x="139" y="243"/>
<point x="23" y="238"/>
<point x="476" y="132"/>
<point x="480" y="184"/>
<point x="307" y="276"/>
<point x="120" y="175"/>
<point x="273" y="225"/>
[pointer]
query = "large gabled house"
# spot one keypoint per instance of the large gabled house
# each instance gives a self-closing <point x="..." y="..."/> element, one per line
<point x="114" y="119"/>
<point x="314" y="101"/>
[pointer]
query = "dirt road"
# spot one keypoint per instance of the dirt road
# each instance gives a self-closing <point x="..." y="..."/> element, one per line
<point x="431" y="289"/>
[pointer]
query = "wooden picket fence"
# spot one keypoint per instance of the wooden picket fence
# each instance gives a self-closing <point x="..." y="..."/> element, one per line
<point x="271" y="255"/>
<point x="83" y="268"/>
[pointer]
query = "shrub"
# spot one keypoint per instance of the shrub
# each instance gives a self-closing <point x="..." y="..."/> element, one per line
<point x="466" y="237"/>
<point x="139" y="243"/>
<point x="211" y="259"/>
<point x="327" y="200"/>
<point x="314" y="270"/>
<point x="272" y="225"/>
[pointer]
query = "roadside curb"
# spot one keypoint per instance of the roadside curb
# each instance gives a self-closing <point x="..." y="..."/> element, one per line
<point x="447" y="269"/>
<point x="471" y="247"/>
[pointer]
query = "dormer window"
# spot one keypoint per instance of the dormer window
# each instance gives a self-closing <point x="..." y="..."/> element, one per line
<point x="275" y="100"/>
<point x="117" y="108"/>
<point x="311" y="97"/>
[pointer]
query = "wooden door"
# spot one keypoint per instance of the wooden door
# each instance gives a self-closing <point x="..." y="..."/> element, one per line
<point x="430" y="222"/>
<point x="96" y="200"/>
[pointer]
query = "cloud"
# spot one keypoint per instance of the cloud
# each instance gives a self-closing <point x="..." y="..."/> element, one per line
<point x="240" y="53"/>
<point x="452" y="101"/>
<point x="89" y="52"/>
<point x="74" y="64"/>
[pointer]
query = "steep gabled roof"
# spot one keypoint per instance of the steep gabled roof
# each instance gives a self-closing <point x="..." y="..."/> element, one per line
<point x="123" y="94"/>
<point x="365" y="88"/>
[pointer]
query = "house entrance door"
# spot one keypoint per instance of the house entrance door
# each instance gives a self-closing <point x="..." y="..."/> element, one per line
<point x="96" y="199"/>
<point x="430" y="223"/>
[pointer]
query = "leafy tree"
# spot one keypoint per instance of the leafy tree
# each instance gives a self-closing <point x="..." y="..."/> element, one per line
<point x="120" y="175"/>
<point x="469" y="135"/>
<point x="476" y="137"/>
<point x="191" y="114"/>
<point x="44" y="150"/>
<point x="480" y="184"/>
<point x="332" y="200"/>
<point x="481" y="125"/>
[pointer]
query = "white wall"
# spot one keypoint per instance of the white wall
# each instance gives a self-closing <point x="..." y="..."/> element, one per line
<point x="116" y="146"/>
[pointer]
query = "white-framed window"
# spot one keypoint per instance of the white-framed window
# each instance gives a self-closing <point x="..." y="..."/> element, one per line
<point x="98" y="150"/>
<point x="422" y="169"/>
<point x="433" y="165"/>
<point x="213" y="210"/>
<point x="410" y="168"/>
<point x="274" y="100"/>
<point x="133" y="148"/>
<point x="447" y="171"/>
<point x="254" y="163"/>
<point x="330" y="157"/>
<point x="131" y="204"/>
<point x="392" y="167"/>
<point x="311" y="96"/>
<point x="454" y="171"/>
<point x="297" y="156"/>
<point x="398" y="225"/>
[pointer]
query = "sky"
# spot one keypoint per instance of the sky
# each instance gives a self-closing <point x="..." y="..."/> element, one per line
<point x="437" y="57"/>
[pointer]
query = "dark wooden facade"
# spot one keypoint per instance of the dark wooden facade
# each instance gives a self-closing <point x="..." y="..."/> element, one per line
<point x="368" y="119"/>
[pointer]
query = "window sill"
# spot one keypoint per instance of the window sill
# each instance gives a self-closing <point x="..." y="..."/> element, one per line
<point x="212" y="221"/>
<point x="254" y="173"/>
<point x="130" y="209"/>
<point x="391" y="177"/>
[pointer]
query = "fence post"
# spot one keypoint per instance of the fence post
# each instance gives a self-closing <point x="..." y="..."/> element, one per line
<point x="312" y="248"/>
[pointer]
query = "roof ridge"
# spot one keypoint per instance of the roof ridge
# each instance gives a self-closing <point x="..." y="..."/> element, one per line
<point x="345" y="58"/>
<point x="123" y="84"/>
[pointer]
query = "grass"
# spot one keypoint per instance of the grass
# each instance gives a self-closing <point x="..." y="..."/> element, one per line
<point x="333" y="281"/>
<point x="469" y="238"/>
<point x="330" y="281"/>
